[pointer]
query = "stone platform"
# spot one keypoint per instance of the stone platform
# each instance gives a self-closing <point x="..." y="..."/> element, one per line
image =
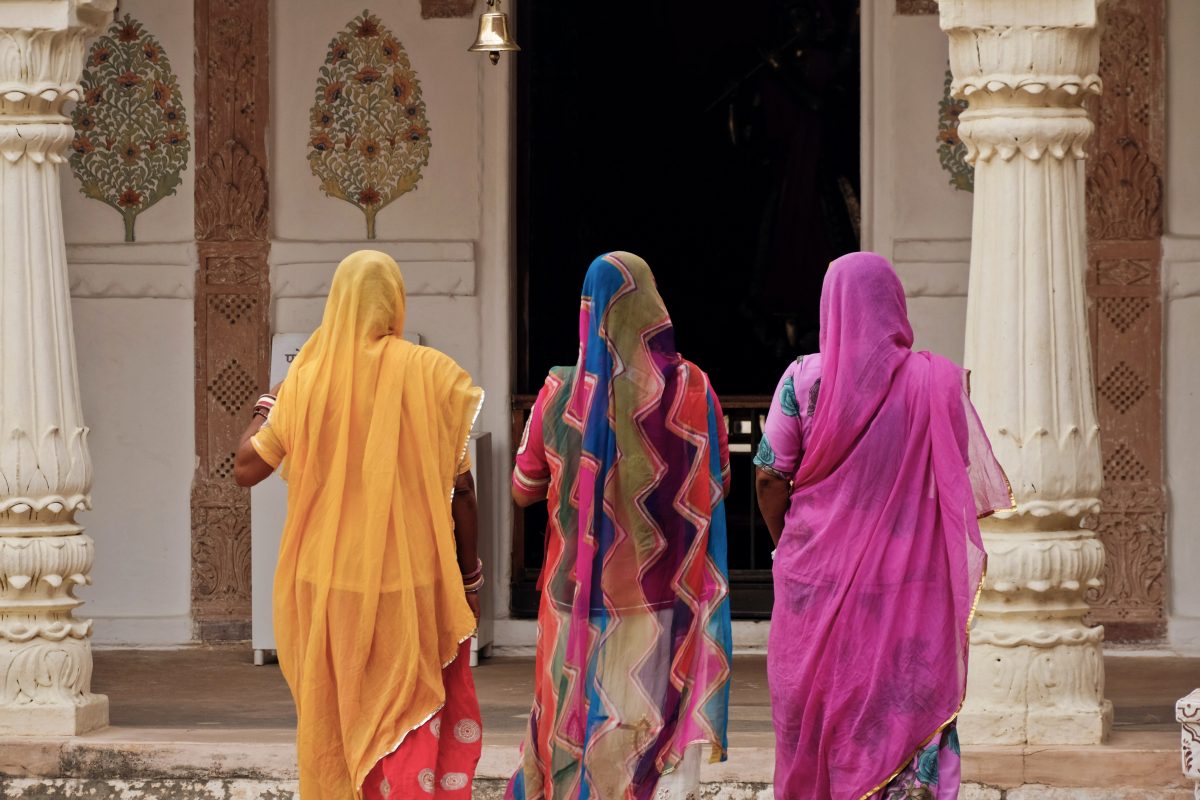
<point x="207" y="723"/>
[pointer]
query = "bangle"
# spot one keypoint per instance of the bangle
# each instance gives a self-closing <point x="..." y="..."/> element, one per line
<point x="259" y="411"/>
<point x="475" y="573"/>
<point x="474" y="586"/>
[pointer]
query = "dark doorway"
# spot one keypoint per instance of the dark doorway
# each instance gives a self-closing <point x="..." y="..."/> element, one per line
<point x="720" y="142"/>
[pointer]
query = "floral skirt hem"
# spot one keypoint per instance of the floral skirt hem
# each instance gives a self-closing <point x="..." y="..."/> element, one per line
<point x="439" y="758"/>
<point x="933" y="774"/>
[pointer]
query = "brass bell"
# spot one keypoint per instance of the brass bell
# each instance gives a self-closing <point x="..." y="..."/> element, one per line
<point x="493" y="37"/>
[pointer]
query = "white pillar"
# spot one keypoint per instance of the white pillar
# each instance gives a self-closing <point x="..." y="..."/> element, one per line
<point x="45" y="471"/>
<point x="1025" y="66"/>
<point x="1187" y="714"/>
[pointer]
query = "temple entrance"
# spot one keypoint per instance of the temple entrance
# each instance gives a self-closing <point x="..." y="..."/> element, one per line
<point x="722" y="145"/>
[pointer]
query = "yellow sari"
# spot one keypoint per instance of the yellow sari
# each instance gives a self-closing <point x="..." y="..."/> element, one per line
<point x="369" y="602"/>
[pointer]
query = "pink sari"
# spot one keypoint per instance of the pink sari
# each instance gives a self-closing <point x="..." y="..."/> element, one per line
<point x="881" y="558"/>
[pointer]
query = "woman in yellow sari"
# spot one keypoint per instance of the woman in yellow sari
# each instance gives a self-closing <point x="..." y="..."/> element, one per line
<point x="373" y="595"/>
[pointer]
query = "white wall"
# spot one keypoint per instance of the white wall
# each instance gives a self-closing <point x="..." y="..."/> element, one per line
<point x="1181" y="263"/>
<point x="133" y="330"/>
<point x="911" y="213"/>
<point x="134" y="302"/>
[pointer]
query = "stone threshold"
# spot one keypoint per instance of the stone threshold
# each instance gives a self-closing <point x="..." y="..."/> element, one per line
<point x="248" y="764"/>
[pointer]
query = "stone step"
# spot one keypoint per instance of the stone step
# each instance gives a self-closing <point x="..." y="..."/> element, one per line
<point x="259" y="764"/>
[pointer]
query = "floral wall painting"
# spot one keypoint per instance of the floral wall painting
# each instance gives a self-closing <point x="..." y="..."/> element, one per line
<point x="131" y="137"/>
<point x="370" y="137"/>
<point x="951" y="150"/>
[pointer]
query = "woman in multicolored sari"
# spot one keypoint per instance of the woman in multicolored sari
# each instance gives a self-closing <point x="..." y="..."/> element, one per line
<point x="872" y="471"/>
<point x="373" y="592"/>
<point x="630" y="450"/>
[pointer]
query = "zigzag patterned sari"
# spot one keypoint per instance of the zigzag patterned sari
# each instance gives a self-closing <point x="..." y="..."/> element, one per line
<point x="634" y="644"/>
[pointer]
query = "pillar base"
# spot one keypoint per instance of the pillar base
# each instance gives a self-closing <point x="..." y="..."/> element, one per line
<point x="1039" y="727"/>
<point x="88" y="713"/>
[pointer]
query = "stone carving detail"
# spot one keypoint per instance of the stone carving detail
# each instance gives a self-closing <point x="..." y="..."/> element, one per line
<point x="914" y="7"/>
<point x="1036" y="673"/>
<point x="1187" y="714"/>
<point x="132" y="140"/>
<point x="1125" y="219"/>
<point x="232" y="298"/>
<point x="445" y="9"/>
<point x="45" y="469"/>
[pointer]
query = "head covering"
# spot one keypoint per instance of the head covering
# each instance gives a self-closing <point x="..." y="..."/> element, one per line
<point x="369" y="601"/>
<point x="635" y="632"/>
<point x="878" y="570"/>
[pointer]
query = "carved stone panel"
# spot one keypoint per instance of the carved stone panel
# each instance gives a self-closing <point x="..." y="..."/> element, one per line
<point x="232" y="299"/>
<point x="916" y="6"/>
<point x="443" y="9"/>
<point x="1125" y="221"/>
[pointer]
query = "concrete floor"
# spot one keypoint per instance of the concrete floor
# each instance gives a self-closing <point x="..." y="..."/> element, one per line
<point x="203" y="687"/>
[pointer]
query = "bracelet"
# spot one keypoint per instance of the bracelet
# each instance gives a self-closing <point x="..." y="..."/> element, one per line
<point x="475" y="573"/>
<point x="261" y="412"/>
<point x="474" y="586"/>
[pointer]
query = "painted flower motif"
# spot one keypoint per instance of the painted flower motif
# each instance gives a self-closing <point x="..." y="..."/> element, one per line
<point x="132" y="140"/>
<point x="385" y="788"/>
<point x="368" y="132"/>
<point x="129" y="31"/>
<point x="367" y="75"/>
<point x="401" y="89"/>
<point x="787" y="398"/>
<point x="390" y="49"/>
<point x="333" y="92"/>
<point x="367" y="28"/>
<point x="765" y="457"/>
<point x="322" y="117"/>
<point x="161" y="94"/>
<point x="130" y="152"/>
<point x="435" y="727"/>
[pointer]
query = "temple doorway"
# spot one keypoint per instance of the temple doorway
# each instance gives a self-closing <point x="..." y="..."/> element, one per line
<point x="719" y="142"/>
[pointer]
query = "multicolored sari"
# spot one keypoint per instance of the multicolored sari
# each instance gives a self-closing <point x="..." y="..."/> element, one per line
<point x="634" y="644"/>
<point x="881" y="559"/>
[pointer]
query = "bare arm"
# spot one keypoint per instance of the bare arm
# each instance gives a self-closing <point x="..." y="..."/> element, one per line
<point x="249" y="469"/>
<point x="464" y="510"/>
<point x="773" y="493"/>
<point x="524" y="499"/>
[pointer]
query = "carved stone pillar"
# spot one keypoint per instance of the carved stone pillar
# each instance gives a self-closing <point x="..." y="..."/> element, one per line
<point x="1025" y="66"/>
<point x="1187" y="713"/>
<point x="45" y="471"/>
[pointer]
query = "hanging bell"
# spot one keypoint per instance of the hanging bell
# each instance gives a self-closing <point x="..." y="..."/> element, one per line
<point x="493" y="37"/>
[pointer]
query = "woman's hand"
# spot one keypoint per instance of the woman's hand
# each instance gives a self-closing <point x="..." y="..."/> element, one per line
<point x="774" y="494"/>
<point x="473" y="602"/>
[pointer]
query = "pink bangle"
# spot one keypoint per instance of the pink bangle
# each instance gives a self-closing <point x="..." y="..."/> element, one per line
<point x="475" y="573"/>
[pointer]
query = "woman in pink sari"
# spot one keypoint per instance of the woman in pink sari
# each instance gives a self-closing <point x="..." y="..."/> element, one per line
<point x="872" y="473"/>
